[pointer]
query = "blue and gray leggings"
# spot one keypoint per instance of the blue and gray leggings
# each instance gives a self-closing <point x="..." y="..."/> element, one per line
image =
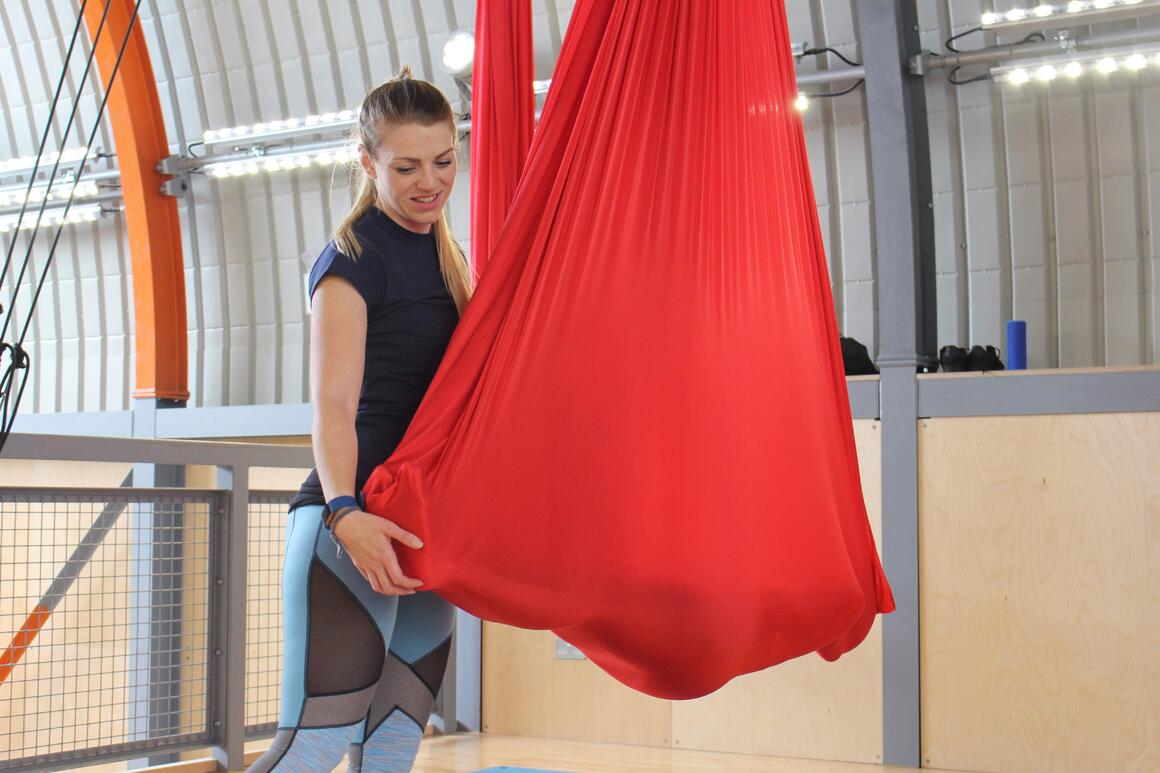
<point x="361" y="669"/>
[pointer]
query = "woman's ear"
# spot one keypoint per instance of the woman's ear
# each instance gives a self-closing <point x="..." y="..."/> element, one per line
<point x="367" y="164"/>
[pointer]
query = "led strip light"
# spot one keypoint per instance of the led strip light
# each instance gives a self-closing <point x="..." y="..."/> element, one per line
<point x="1072" y="66"/>
<point x="85" y="214"/>
<point x="282" y="162"/>
<point x="15" y="166"/>
<point x="1075" y="12"/>
<point x="291" y="127"/>
<point x="277" y="159"/>
<point x="61" y="191"/>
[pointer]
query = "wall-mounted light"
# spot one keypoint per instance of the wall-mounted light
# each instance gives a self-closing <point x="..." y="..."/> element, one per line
<point x="286" y="161"/>
<point x="252" y="134"/>
<point x="1066" y="14"/>
<point x="62" y="190"/>
<point x="1073" y="66"/>
<point x="22" y="166"/>
<point x="801" y="103"/>
<point x="53" y="217"/>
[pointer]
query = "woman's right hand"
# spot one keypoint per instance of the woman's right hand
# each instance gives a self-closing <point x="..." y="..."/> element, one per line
<point x="367" y="538"/>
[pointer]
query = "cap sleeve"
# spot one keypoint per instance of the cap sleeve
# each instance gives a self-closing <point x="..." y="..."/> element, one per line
<point x="361" y="273"/>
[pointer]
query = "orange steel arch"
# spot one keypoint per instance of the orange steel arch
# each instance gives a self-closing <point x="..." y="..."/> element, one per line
<point x="134" y="112"/>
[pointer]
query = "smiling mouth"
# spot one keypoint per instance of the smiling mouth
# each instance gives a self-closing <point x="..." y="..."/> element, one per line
<point x="425" y="199"/>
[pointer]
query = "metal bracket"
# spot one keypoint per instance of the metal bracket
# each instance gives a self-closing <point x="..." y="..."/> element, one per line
<point x="171" y="165"/>
<point x="176" y="186"/>
<point x="920" y="63"/>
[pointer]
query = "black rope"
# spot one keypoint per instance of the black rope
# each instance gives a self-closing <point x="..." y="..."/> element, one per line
<point x="20" y="357"/>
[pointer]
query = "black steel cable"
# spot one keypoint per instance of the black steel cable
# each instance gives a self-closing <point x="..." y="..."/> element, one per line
<point x="44" y="138"/>
<point x="77" y="178"/>
<point x="52" y="176"/>
<point x="18" y="351"/>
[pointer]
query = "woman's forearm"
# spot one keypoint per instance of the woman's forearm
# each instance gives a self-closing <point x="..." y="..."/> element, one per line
<point x="335" y="447"/>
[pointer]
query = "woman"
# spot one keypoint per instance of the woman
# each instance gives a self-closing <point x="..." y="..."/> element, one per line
<point x="365" y="647"/>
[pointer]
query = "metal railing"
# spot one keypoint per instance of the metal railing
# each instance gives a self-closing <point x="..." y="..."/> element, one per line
<point x="107" y="623"/>
<point x="141" y="622"/>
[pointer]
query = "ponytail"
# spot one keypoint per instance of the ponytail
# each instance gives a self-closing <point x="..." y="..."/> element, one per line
<point x="348" y="243"/>
<point x="452" y="264"/>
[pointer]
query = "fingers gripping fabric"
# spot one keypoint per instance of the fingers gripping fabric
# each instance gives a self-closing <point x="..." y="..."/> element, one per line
<point x="640" y="435"/>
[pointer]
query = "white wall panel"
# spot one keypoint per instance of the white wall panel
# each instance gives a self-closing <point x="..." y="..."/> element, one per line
<point x="69" y="384"/>
<point x="987" y="317"/>
<point x="117" y="376"/>
<point x="1028" y="226"/>
<point x="985" y="250"/>
<point x="1078" y="344"/>
<point x="857" y="243"/>
<point x="861" y="302"/>
<point x="265" y="366"/>
<point x="1042" y="207"/>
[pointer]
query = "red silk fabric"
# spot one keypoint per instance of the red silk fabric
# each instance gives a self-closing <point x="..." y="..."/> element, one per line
<point x="502" y="119"/>
<point x="640" y="435"/>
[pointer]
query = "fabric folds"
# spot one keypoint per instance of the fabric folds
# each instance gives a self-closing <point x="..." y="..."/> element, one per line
<point x="640" y="435"/>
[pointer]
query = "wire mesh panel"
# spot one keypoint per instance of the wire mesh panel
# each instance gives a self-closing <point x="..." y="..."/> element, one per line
<point x="104" y="622"/>
<point x="264" y="559"/>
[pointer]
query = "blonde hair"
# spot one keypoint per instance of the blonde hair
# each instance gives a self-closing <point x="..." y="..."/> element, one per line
<point x="400" y="100"/>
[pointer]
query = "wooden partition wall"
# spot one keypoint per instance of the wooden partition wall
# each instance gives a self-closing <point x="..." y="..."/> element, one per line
<point x="1040" y="578"/>
<point x="1040" y="621"/>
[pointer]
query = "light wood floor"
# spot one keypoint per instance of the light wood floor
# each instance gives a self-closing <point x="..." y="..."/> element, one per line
<point x="469" y="752"/>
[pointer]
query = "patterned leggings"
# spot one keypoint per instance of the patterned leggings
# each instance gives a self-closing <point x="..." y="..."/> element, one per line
<point x="361" y="669"/>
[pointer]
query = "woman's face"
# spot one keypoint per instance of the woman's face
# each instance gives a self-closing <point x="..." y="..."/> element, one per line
<point x="413" y="172"/>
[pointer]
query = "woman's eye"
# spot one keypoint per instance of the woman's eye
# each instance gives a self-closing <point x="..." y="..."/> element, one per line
<point x="442" y="163"/>
<point x="404" y="169"/>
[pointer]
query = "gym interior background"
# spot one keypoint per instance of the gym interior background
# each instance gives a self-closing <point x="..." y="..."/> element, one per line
<point x="1018" y="511"/>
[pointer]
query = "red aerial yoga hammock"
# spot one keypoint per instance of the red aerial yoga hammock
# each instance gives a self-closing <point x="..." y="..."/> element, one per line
<point x="640" y="435"/>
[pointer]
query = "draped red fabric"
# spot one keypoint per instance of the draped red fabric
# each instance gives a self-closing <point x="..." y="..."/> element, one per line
<point x="502" y="117"/>
<point x="640" y="435"/>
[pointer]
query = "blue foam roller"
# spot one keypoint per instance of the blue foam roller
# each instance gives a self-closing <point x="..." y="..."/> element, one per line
<point x="1016" y="345"/>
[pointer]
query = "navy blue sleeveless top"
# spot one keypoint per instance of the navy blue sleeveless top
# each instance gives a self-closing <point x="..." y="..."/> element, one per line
<point x="410" y="319"/>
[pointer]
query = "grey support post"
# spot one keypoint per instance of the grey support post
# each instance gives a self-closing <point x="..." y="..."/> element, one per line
<point x="228" y="631"/>
<point x="904" y="244"/>
<point x="154" y="708"/>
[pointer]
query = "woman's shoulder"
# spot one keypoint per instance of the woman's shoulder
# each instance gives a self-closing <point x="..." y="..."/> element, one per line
<point x="364" y="271"/>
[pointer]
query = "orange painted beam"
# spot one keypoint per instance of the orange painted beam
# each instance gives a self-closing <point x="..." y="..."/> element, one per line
<point x="22" y="641"/>
<point x="134" y="113"/>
